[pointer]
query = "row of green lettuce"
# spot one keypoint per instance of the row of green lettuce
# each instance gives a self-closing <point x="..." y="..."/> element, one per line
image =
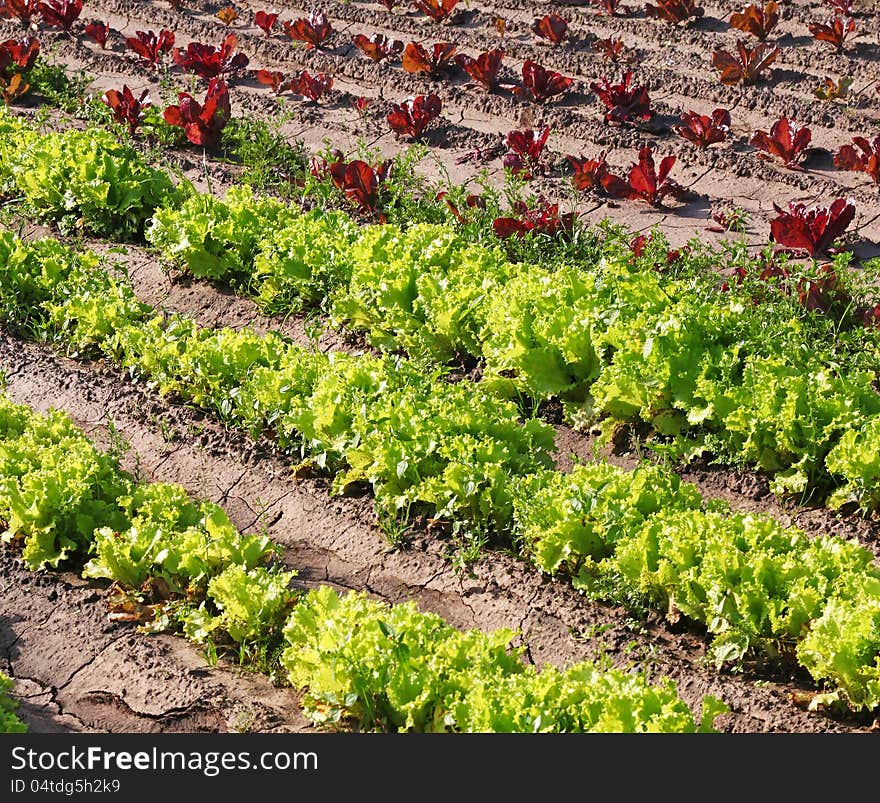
<point x="746" y="374"/>
<point x="385" y="667"/>
<point x="9" y="722"/>
<point x="453" y="451"/>
<point x="708" y="370"/>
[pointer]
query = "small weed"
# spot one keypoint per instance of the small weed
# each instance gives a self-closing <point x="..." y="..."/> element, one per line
<point x="67" y="91"/>
<point x="270" y="162"/>
<point x="395" y="526"/>
<point x="468" y="546"/>
<point x="165" y="429"/>
<point x="244" y="721"/>
<point x="210" y="652"/>
<point x="119" y="446"/>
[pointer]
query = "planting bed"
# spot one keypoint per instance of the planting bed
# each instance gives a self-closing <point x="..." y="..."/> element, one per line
<point x="78" y="655"/>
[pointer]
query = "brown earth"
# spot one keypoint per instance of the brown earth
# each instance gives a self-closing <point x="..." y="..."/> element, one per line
<point x="75" y="670"/>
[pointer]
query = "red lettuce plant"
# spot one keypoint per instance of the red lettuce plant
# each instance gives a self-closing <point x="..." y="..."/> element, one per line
<point x="551" y="27"/>
<point x="812" y="230"/>
<point x="624" y="103"/>
<point x="208" y="61"/>
<point x="151" y="47"/>
<point x="266" y="21"/>
<point x="437" y="10"/>
<point x="785" y="141"/>
<point x="674" y="11"/>
<point x="412" y="117"/>
<point x="746" y="65"/>
<point x="756" y="20"/>
<point x="98" y="32"/>
<point x="484" y="68"/>
<point x="863" y="158"/>
<point x="202" y="123"/>
<point x="417" y="59"/>
<point x="703" y="130"/>
<point x="60" y="13"/>
<point x="539" y="84"/>
<point x="543" y="218"/>
<point x="526" y="152"/>
<point x="127" y="109"/>
<point x="378" y="47"/>
<point x="314" y="31"/>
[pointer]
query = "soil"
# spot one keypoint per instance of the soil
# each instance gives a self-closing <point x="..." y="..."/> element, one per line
<point x="75" y="670"/>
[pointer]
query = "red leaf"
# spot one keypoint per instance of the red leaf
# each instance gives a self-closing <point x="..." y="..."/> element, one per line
<point x="756" y="20"/>
<point x="610" y="49"/>
<point x="526" y="151"/>
<point x="265" y="21"/>
<point x="551" y="27"/>
<point x="151" y="47"/>
<point x="314" y="30"/>
<point x="612" y="8"/>
<point x="437" y="10"/>
<point x="674" y="11"/>
<point x="173" y="116"/>
<point x="127" y="109"/>
<point x="60" y="13"/>
<point x="871" y="317"/>
<point x="321" y="169"/>
<point x="98" y="32"/>
<point x="823" y="292"/>
<point x="864" y="160"/>
<point x="588" y="173"/>
<point x="272" y="78"/>
<point x="625" y="103"/>
<point x="378" y="46"/>
<point x="18" y="53"/>
<point x="357" y="180"/>
<point x="640" y="242"/>
<point x="313" y="87"/>
<point x="412" y="117"/>
<point x="543" y="218"/>
<point x="360" y="184"/>
<point x="704" y="131"/>
<point x="208" y="61"/>
<point x="484" y="68"/>
<point x="508" y="226"/>
<point x="651" y="185"/>
<point x="812" y="230"/>
<point x="540" y="84"/>
<point x="13" y="88"/>
<point x="202" y="124"/>
<point x="417" y="60"/>
<point x="23" y="10"/>
<point x="745" y="66"/>
<point x="843" y="8"/>
<point x="784" y="141"/>
<point x="835" y="31"/>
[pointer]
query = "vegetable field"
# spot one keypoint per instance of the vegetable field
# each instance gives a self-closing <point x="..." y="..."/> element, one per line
<point x="437" y="366"/>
